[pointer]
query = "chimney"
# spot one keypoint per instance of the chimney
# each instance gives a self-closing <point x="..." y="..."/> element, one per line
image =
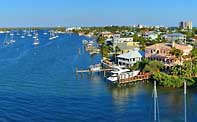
<point x="173" y="43"/>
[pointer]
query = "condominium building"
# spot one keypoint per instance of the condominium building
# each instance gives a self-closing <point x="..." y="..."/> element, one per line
<point x="185" y="25"/>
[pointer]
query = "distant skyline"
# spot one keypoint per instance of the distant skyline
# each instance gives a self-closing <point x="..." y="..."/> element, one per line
<point x="45" y="13"/>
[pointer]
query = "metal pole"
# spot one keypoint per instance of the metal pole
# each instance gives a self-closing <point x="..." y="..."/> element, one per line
<point x="185" y="88"/>
<point x="185" y="102"/>
<point x="155" y="101"/>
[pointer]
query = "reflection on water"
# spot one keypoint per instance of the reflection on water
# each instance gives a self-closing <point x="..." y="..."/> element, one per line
<point x="171" y="101"/>
<point x="122" y="94"/>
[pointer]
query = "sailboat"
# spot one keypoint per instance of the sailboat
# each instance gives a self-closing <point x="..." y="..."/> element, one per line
<point x="12" y="38"/>
<point x="51" y="36"/>
<point x="35" y="35"/>
<point x="23" y="35"/>
<point x="36" y="42"/>
<point x="29" y="33"/>
<point x="55" y="35"/>
<point x="6" y="41"/>
<point x="9" y="41"/>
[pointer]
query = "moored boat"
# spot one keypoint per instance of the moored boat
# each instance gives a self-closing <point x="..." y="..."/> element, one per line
<point x="120" y="73"/>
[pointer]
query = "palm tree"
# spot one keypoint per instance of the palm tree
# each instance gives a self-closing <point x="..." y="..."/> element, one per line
<point x="176" y="52"/>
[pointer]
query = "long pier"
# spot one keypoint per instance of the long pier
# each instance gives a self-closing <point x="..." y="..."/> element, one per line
<point x="89" y="70"/>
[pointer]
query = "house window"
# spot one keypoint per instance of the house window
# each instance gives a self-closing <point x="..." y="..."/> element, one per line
<point x="157" y="51"/>
<point x="133" y="59"/>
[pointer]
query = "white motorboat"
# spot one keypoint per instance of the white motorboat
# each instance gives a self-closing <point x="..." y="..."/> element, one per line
<point x="122" y="74"/>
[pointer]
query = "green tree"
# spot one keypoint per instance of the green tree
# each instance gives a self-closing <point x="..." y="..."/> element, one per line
<point x="153" y="66"/>
<point x="105" y="50"/>
<point x="140" y="65"/>
<point x="176" y="70"/>
<point x="101" y="40"/>
<point x="171" y="80"/>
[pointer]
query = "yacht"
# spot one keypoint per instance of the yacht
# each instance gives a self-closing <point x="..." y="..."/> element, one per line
<point x="121" y="71"/>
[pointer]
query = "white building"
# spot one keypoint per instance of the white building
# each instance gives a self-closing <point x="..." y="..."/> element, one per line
<point x="150" y="35"/>
<point x="73" y="28"/>
<point x="130" y="58"/>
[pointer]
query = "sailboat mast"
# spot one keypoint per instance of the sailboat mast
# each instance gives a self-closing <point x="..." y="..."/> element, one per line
<point x="185" y="88"/>
<point x="155" y="101"/>
<point x="185" y="102"/>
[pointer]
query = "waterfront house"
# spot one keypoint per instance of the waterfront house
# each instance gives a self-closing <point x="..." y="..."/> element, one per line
<point x="161" y="52"/>
<point x="178" y="37"/>
<point x="130" y="58"/>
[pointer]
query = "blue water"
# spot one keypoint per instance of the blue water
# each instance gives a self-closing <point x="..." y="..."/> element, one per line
<point x="39" y="84"/>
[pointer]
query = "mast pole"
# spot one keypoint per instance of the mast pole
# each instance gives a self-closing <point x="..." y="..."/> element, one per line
<point x="155" y="101"/>
<point x="185" y="102"/>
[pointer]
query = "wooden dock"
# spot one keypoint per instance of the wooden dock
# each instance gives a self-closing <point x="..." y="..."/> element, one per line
<point x="140" y="77"/>
<point x="88" y="70"/>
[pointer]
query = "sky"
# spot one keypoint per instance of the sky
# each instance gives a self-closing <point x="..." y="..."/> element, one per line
<point x="46" y="13"/>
